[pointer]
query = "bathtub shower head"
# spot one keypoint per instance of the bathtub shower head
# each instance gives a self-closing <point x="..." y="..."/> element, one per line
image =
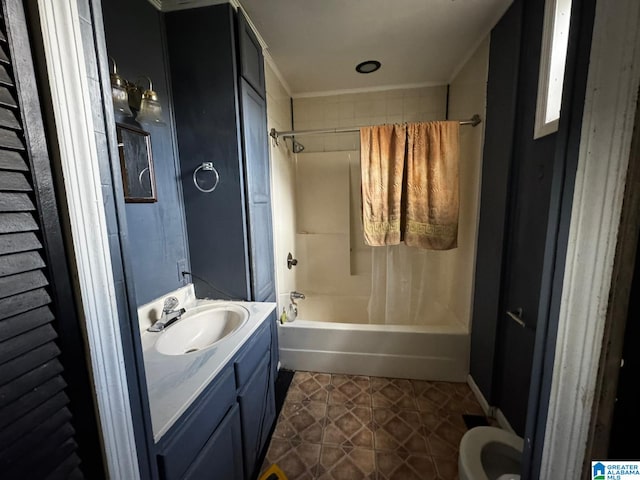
<point x="297" y="146"/>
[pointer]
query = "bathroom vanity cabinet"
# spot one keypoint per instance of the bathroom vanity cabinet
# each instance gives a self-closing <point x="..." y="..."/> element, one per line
<point x="218" y="84"/>
<point x="225" y="429"/>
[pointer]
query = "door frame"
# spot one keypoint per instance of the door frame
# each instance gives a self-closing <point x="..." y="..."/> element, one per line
<point x="74" y="131"/>
<point x="607" y="129"/>
<point x="614" y="75"/>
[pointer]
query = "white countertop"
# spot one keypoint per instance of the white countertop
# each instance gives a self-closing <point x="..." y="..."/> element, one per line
<point x="175" y="381"/>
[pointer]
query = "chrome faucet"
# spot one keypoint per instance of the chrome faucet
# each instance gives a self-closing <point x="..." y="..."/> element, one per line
<point x="169" y="315"/>
<point x="293" y="296"/>
<point x="290" y="313"/>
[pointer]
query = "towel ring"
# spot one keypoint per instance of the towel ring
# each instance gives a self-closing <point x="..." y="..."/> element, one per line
<point x="206" y="167"/>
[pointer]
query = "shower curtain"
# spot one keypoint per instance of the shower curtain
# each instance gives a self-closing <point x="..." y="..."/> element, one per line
<point x="401" y="279"/>
<point x="427" y="174"/>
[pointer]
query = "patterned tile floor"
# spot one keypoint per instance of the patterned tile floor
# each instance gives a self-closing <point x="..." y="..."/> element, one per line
<point x="345" y="427"/>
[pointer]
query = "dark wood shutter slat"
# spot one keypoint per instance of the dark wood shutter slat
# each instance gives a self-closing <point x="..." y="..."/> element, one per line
<point x="75" y="474"/>
<point x="68" y="470"/>
<point x="20" y="262"/>
<point x="56" y="450"/>
<point x="24" y="446"/>
<point x="24" y="302"/>
<point x="25" y="425"/>
<point x="10" y="327"/>
<point x="14" y="284"/>
<point x="25" y="363"/>
<point x="10" y="139"/>
<point x="7" y="99"/>
<point x="52" y="453"/>
<point x="31" y="400"/>
<point x="15" y="202"/>
<point x="27" y="341"/>
<point x="5" y="78"/>
<point x="18" y="242"/>
<point x="30" y="380"/>
<point x="17" y="222"/>
<point x="3" y="54"/>
<point x="11" y="160"/>
<point x="14" y="182"/>
<point x="9" y="120"/>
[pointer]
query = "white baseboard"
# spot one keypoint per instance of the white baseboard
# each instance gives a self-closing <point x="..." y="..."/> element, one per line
<point x="486" y="408"/>
<point x="503" y="422"/>
<point x="489" y="411"/>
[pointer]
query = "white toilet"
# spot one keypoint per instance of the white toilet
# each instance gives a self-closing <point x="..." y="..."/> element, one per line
<point x="490" y="453"/>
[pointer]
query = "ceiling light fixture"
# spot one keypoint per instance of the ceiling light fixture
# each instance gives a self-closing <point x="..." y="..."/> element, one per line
<point x="368" y="66"/>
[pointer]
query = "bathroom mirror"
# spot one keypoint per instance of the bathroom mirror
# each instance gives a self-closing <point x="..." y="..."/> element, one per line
<point x="136" y="163"/>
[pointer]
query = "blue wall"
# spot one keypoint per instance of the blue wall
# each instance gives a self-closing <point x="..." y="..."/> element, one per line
<point x="135" y="38"/>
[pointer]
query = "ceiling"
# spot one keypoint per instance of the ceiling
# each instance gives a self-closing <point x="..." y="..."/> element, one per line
<point x="316" y="44"/>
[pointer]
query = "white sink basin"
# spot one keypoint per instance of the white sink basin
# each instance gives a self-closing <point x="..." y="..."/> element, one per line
<point x="201" y="328"/>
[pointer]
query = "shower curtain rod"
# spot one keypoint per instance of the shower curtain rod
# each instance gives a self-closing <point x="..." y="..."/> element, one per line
<point x="473" y="121"/>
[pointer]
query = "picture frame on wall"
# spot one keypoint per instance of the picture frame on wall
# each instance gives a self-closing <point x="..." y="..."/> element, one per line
<point x="136" y="162"/>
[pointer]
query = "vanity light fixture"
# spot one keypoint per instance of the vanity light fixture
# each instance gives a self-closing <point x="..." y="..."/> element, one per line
<point x="368" y="66"/>
<point x="131" y="97"/>
<point x="149" y="110"/>
<point x="119" y="93"/>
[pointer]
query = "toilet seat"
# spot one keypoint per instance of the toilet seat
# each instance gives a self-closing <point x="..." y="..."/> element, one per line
<point x="471" y="445"/>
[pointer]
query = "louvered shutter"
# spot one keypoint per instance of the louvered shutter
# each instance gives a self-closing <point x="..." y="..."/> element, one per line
<point x="36" y="434"/>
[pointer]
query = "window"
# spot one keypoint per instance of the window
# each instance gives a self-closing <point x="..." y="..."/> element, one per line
<point x="553" y="57"/>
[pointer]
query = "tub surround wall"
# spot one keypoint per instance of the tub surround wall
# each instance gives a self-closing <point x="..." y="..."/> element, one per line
<point x="334" y="267"/>
<point x="467" y="96"/>
<point x="335" y="291"/>
<point x="362" y="109"/>
<point x="335" y="263"/>
<point x="283" y="186"/>
<point x="157" y="232"/>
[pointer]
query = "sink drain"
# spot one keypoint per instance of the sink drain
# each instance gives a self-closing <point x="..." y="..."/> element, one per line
<point x="191" y="350"/>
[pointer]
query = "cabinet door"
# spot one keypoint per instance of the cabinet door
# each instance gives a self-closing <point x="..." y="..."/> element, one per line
<point x="179" y="447"/>
<point x="258" y="179"/>
<point x="257" y="410"/>
<point x="251" y="58"/>
<point x="219" y="458"/>
<point x="275" y="348"/>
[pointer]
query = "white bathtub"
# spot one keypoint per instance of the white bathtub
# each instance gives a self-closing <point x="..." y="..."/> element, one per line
<point x="434" y="352"/>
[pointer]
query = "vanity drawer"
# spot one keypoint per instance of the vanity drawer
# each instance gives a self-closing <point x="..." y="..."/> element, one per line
<point x="253" y="352"/>
<point x="182" y="444"/>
